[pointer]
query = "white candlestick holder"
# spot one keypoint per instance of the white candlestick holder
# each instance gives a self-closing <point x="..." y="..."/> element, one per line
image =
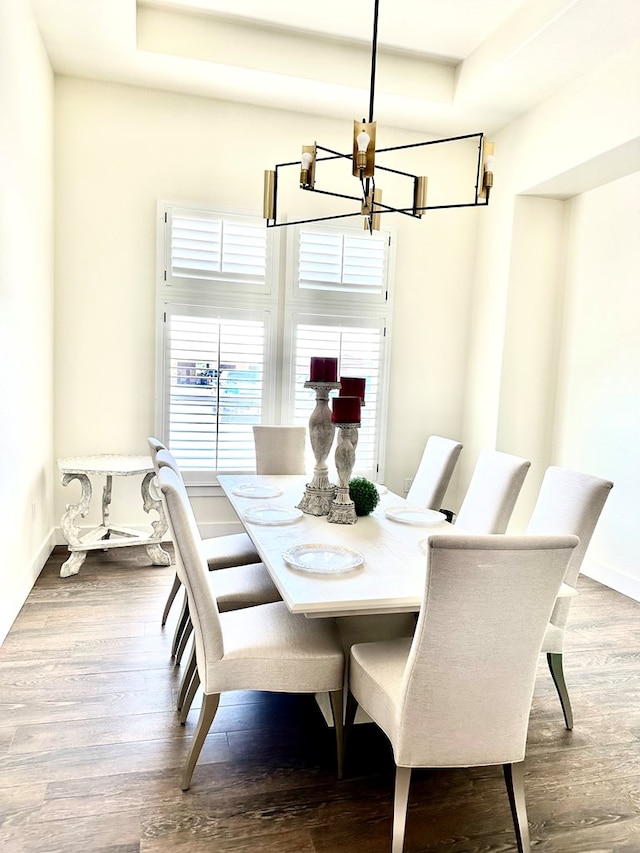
<point x="319" y="493"/>
<point x="343" y="510"/>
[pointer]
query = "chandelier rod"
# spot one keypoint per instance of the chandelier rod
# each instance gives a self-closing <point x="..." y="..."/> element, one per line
<point x="374" y="55"/>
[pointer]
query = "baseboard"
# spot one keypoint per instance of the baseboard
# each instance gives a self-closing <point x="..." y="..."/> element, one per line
<point x="625" y="584"/>
<point x="15" y="597"/>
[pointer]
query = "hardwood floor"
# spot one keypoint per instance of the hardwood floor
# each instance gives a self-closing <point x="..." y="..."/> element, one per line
<point x="91" y="751"/>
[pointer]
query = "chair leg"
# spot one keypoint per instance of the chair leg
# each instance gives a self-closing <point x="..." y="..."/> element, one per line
<point x="557" y="673"/>
<point x="174" y="591"/>
<point x="187" y="677"/>
<point x="207" y="713"/>
<point x="349" y="717"/>
<point x="188" y="699"/>
<point x="514" y="779"/>
<point x="184" y="639"/>
<point x="400" y="802"/>
<point x="182" y="621"/>
<point x="336" y="697"/>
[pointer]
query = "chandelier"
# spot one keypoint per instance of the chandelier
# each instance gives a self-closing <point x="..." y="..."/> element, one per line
<point x="366" y="161"/>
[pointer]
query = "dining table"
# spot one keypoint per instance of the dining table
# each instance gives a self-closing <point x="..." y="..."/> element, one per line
<point x="375" y="566"/>
<point x="368" y="576"/>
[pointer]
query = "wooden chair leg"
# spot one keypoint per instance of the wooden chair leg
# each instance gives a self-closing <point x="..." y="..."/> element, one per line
<point x="514" y="779"/>
<point x="349" y="717"/>
<point x="187" y="677"/>
<point x="174" y="591"/>
<point x="400" y="803"/>
<point x="182" y="621"/>
<point x="190" y="696"/>
<point x="207" y="713"/>
<point x="337" y="709"/>
<point x="557" y="673"/>
<point x="184" y="639"/>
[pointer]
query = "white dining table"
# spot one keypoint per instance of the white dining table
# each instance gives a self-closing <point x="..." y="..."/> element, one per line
<point x="391" y="577"/>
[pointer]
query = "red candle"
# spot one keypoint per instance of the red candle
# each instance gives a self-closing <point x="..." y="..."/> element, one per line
<point x="350" y="386"/>
<point x="345" y="410"/>
<point x="323" y="370"/>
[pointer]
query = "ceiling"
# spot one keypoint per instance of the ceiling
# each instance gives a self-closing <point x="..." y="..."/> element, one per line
<point x="444" y="66"/>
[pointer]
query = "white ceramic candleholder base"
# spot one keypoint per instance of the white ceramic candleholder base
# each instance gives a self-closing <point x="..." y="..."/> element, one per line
<point x="319" y="493"/>
<point x="343" y="510"/>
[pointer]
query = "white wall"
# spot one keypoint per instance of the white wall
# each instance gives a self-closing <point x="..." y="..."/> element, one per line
<point x="119" y="149"/>
<point x="26" y="306"/>
<point x="553" y="357"/>
<point x="598" y="419"/>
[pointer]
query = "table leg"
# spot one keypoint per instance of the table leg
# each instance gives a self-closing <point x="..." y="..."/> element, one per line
<point x="159" y="557"/>
<point x="106" y="500"/>
<point x="71" y="532"/>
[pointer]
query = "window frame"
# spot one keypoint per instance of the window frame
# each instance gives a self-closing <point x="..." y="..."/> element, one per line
<point x="284" y="302"/>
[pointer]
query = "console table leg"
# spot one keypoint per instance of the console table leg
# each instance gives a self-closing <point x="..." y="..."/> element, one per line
<point x="67" y="523"/>
<point x="73" y="564"/>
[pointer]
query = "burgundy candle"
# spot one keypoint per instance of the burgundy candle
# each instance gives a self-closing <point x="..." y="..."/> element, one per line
<point x="345" y="410"/>
<point x="323" y="369"/>
<point x="350" y="386"/>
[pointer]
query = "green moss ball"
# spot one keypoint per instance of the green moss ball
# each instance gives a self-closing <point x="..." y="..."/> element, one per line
<point x="364" y="495"/>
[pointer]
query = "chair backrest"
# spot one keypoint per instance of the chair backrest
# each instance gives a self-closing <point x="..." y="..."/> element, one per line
<point x="194" y="572"/>
<point x="154" y="446"/>
<point x="469" y="678"/>
<point x="280" y="449"/>
<point x="166" y="459"/>
<point x="434" y="472"/>
<point x="492" y="493"/>
<point x="569" y="502"/>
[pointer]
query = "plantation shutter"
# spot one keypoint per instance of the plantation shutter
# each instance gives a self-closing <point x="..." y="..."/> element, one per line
<point x="359" y="346"/>
<point x="345" y="262"/>
<point x="205" y="247"/>
<point x="214" y="384"/>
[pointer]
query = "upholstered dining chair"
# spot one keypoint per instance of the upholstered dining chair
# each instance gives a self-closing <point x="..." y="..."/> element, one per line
<point x="458" y="694"/>
<point x="280" y="449"/>
<point x="233" y="588"/>
<point x="434" y="472"/>
<point x="257" y="648"/>
<point x="492" y="492"/>
<point x="240" y="586"/>
<point x="221" y="552"/>
<point x="568" y="502"/>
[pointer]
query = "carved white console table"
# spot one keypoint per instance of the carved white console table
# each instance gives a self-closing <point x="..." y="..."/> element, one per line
<point x="105" y="536"/>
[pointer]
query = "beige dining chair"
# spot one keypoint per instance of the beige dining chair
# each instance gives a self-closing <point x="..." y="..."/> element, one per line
<point x="492" y="492"/>
<point x="257" y="648"/>
<point x="238" y="586"/>
<point x="280" y="449"/>
<point x="458" y="694"/>
<point x="568" y="502"/>
<point x="233" y="588"/>
<point x="221" y="552"/>
<point x="434" y="472"/>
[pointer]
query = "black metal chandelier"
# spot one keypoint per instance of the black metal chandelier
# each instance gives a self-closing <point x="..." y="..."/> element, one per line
<point x="365" y="162"/>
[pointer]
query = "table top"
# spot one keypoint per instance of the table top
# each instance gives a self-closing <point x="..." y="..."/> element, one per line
<point x="106" y="463"/>
<point x="391" y="579"/>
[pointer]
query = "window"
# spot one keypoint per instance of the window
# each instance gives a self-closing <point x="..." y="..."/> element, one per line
<point x="214" y="387"/>
<point x="237" y="331"/>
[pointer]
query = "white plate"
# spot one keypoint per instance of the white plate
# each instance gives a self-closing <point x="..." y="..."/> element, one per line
<point x="408" y="514"/>
<point x="322" y="559"/>
<point x="272" y="514"/>
<point x="256" y="490"/>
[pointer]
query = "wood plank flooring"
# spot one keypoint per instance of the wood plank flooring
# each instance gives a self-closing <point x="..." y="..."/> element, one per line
<point x="91" y="750"/>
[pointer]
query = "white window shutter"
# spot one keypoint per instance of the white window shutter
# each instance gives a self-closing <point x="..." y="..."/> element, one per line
<point x="214" y="379"/>
<point x="205" y="247"/>
<point x="349" y="262"/>
<point x="359" y="346"/>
